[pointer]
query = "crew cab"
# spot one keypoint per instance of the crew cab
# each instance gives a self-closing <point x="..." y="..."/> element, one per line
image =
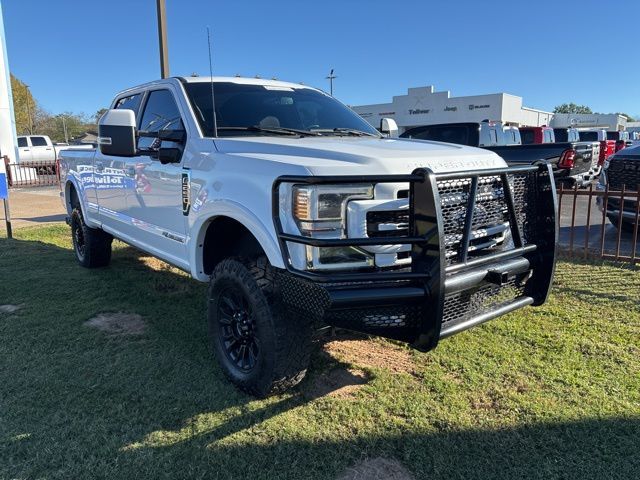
<point x="531" y="135"/>
<point x="566" y="134"/>
<point x="621" y="172"/>
<point x="299" y="214"/>
<point x="607" y="147"/>
<point x="622" y="139"/>
<point x="40" y="149"/>
<point x="569" y="160"/>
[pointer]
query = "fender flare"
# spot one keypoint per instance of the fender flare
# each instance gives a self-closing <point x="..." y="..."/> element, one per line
<point x="265" y="235"/>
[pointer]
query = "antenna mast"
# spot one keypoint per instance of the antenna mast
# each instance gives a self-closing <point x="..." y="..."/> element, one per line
<point x="213" y="102"/>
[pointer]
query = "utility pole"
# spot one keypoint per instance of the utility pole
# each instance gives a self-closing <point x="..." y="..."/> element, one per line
<point x="162" y="38"/>
<point x="330" y="77"/>
<point x="26" y="87"/>
<point x="64" y="127"/>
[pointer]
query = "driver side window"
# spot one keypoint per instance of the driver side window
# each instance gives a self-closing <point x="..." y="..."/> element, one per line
<point x="160" y="113"/>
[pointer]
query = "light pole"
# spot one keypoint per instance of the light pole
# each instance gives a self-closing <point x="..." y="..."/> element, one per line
<point x="64" y="127"/>
<point x="330" y="77"/>
<point x="26" y="87"/>
<point x="162" y="38"/>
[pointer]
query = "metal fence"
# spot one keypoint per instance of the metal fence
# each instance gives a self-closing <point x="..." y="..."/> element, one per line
<point x="31" y="174"/>
<point x="600" y="223"/>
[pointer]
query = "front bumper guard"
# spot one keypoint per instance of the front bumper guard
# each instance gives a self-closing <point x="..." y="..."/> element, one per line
<point x="434" y="298"/>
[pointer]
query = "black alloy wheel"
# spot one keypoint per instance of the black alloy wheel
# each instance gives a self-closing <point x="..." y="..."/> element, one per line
<point x="238" y="329"/>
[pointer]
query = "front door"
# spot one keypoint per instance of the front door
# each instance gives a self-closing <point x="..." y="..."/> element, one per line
<point x="155" y="202"/>
<point x="24" y="150"/>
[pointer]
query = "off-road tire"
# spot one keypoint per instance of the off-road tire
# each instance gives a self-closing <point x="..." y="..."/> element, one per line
<point x="92" y="246"/>
<point x="626" y="226"/>
<point x="283" y="339"/>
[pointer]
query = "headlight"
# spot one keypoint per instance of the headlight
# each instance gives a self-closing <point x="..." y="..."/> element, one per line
<point x="319" y="211"/>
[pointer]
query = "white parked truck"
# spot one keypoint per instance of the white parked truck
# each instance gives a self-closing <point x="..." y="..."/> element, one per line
<point x="39" y="149"/>
<point x="300" y="214"/>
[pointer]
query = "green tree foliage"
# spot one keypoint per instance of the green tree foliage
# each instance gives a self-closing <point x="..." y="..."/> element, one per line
<point x="32" y="118"/>
<point x="23" y="105"/>
<point x="571" y="108"/>
<point x="629" y="117"/>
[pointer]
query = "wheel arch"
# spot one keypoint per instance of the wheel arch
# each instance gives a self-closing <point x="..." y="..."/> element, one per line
<point x="231" y="234"/>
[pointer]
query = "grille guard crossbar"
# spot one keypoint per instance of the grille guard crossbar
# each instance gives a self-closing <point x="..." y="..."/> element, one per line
<point x="429" y="268"/>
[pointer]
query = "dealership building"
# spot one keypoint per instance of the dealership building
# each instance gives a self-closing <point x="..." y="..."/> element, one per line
<point x="424" y="106"/>
<point x="608" y="121"/>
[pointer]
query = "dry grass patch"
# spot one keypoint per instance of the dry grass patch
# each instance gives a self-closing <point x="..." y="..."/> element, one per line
<point x="379" y="468"/>
<point x="118" y="323"/>
<point x="337" y="383"/>
<point x="372" y="354"/>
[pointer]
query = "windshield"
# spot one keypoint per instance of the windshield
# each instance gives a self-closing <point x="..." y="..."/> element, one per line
<point x="240" y="107"/>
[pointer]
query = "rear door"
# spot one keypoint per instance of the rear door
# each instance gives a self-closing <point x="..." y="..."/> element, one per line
<point x="112" y="179"/>
<point x="41" y="150"/>
<point x="24" y="150"/>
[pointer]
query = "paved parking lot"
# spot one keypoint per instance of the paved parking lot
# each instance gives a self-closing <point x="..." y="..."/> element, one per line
<point x="33" y="206"/>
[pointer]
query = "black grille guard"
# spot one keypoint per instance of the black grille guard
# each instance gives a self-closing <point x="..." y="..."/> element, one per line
<point x="431" y="277"/>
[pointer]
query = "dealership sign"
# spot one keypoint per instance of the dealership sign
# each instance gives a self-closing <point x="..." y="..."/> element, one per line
<point x="3" y="181"/>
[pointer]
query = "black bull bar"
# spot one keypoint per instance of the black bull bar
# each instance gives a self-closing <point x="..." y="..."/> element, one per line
<point x="449" y="286"/>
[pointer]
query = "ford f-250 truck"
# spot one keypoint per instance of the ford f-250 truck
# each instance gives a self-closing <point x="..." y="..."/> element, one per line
<point x="299" y="214"/>
<point x="571" y="161"/>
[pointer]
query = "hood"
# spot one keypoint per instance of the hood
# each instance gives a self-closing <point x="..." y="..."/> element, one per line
<point x="361" y="155"/>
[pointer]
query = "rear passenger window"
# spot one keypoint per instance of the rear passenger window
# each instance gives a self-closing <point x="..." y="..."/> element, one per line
<point x="38" y="142"/>
<point x="22" y="142"/>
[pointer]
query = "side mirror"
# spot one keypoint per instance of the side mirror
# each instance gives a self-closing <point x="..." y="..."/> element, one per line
<point x="117" y="133"/>
<point x="169" y="155"/>
<point x="389" y="127"/>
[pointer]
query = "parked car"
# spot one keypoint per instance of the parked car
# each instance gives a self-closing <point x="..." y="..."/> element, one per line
<point x="298" y="213"/>
<point x="621" y="170"/>
<point x="607" y="147"/>
<point x="40" y="149"/>
<point x="531" y="135"/>
<point x="569" y="160"/>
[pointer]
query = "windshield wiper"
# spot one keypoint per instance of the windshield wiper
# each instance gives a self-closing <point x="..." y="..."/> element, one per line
<point x="347" y="131"/>
<point x="275" y="130"/>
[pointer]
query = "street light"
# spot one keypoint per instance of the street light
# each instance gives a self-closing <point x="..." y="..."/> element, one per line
<point x="330" y="77"/>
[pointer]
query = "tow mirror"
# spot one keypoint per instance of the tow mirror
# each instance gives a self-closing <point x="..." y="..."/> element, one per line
<point x="389" y="127"/>
<point x="117" y="133"/>
<point x="172" y="135"/>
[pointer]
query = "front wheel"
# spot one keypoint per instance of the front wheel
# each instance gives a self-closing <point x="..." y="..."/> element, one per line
<point x="261" y="347"/>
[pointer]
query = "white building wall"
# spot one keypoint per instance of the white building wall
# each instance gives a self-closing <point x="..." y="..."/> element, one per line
<point x="581" y="120"/>
<point x="424" y="106"/>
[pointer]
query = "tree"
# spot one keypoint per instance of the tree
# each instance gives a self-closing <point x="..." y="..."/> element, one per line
<point x="629" y="117"/>
<point x="571" y="108"/>
<point x="24" y="106"/>
<point x="98" y="114"/>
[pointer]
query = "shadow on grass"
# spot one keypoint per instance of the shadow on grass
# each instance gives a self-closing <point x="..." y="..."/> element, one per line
<point x="75" y="403"/>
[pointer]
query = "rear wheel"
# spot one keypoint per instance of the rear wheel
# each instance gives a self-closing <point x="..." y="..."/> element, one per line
<point x="92" y="246"/>
<point x="261" y="347"/>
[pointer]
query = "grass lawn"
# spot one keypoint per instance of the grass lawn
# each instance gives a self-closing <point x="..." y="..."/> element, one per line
<point x="550" y="392"/>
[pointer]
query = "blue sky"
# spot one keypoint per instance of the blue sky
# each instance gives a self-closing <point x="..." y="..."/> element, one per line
<point x="76" y="54"/>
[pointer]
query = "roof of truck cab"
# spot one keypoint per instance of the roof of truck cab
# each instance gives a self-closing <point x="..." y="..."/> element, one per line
<point x="239" y="80"/>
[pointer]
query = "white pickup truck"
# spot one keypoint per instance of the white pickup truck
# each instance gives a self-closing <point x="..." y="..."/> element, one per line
<point x="39" y="149"/>
<point x="300" y="214"/>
